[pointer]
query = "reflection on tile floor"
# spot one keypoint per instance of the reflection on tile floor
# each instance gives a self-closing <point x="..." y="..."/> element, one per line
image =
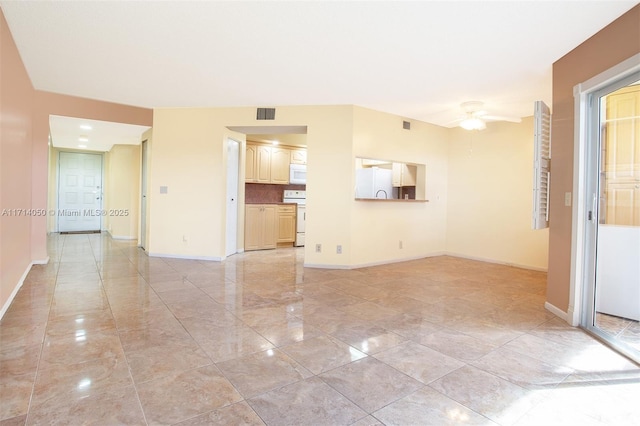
<point x="106" y="335"/>
<point x="624" y="330"/>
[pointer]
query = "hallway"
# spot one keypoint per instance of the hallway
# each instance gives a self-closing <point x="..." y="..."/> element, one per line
<point x="106" y="335"/>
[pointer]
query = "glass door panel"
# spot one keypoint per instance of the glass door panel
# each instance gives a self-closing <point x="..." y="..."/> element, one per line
<point x="615" y="307"/>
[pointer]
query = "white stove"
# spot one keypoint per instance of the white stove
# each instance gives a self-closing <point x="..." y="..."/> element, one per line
<point x="299" y="198"/>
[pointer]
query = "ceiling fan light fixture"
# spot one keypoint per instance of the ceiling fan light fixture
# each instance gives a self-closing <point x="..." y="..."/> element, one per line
<point x="473" y="123"/>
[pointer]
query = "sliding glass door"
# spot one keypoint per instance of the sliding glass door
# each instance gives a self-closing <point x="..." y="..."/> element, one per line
<point x="612" y="290"/>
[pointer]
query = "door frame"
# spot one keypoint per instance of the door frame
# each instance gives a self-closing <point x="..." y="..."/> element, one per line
<point x="57" y="186"/>
<point x="228" y="222"/>
<point x="584" y="133"/>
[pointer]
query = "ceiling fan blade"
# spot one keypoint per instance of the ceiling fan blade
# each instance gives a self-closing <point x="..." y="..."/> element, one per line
<point x="502" y="118"/>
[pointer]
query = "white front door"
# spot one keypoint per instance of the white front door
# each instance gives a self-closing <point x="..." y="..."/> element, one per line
<point x="233" y="158"/>
<point x="79" y="192"/>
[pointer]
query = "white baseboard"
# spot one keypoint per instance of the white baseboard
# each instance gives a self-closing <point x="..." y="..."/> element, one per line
<point x="179" y="256"/>
<point x="369" y="264"/>
<point x="40" y="262"/>
<point x="121" y="237"/>
<point x="498" y="262"/>
<point x="17" y="288"/>
<point x="557" y="311"/>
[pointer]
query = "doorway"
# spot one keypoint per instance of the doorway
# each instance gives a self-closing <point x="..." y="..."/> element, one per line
<point x="611" y="295"/>
<point x="79" y="192"/>
<point x="233" y="177"/>
<point x="143" y="194"/>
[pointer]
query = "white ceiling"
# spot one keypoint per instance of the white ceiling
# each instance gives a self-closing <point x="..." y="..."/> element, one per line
<point x="417" y="59"/>
<point x="66" y="132"/>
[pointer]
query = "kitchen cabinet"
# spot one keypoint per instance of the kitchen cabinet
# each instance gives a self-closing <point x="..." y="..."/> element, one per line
<point x="404" y="174"/>
<point x="251" y="159"/>
<point x="261" y="226"/>
<point x="266" y="164"/>
<point x="286" y="223"/>
<point x="280" y="159"/>
<point x="298" y="156"/>
<point x="263" y="164"/>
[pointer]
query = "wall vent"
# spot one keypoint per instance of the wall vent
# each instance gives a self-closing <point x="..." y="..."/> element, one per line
<point x="266" y="114"/>
<point x="406" y="125"/>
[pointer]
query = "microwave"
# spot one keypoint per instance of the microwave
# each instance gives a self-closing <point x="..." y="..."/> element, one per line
<point x="298" y="174"/>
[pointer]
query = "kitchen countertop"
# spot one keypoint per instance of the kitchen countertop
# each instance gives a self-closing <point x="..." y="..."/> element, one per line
<point x="279" y="204"/>
<point x="392" y="200"/>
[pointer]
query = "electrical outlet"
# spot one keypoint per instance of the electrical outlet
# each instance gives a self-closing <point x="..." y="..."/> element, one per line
<point x="318" y="248"/>
<point x="339" y="249"/>
<point x="400" y="244"/>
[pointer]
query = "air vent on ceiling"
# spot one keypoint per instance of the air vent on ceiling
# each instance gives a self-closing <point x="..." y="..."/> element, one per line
<point x="406" y="125"/>
<point x="266" y="114"/>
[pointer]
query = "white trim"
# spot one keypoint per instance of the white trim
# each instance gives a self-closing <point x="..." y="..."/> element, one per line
<point x="580" y="93"/>
<point x="369" y="264"/>
<point x="121" y="237"/>
<point x="40" y="261"/>
<point x="180" y="256"/>
<point x="17" y="288"/>
<point x="557" y="311"/>
<point x="497" y="262"/>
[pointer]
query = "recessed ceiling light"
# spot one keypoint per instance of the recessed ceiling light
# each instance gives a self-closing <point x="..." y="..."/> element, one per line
<point x="82" y="146"/>
<point x="85" y="127"/>
<point x="83" y="139"/>
<point x="274" y="142"/>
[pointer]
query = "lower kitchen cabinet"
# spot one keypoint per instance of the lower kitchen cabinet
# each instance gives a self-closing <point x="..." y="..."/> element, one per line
<point x="261" y="226"/>
<point x="286" y="224"/>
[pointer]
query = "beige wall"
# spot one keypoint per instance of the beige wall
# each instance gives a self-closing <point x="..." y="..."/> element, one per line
<point x="490" y="196"/>
<point x="613" y="44"/>
<point x="24" y="159"/>
<point x="16" y="149"/>
<point x="378" y="227"/>
<point x="188" y="157"/>
<point x="122" y="191"/>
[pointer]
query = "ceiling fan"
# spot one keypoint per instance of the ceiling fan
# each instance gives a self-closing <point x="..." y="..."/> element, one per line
<point x="475" y="117"/>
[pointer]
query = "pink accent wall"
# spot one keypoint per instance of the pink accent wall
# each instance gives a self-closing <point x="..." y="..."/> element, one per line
<point x="16" y="104"/>
<point x="24" y="127"/>
<point x="613" y="44"/>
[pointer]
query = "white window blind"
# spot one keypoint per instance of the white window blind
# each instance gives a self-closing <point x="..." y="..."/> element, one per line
<point x="541" y="165"/>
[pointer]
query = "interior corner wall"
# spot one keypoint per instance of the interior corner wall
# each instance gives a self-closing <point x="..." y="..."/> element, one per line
<point x="122" y="172"/>
<point x="613" y="44"/>
<point x="16" y="146"/>
<point x="378" y="227"/>
<point x="490" y="196"/>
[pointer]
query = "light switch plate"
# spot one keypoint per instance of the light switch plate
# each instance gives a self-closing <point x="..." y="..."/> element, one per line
<point x="164" y="189"/>
<point x="567" y="199"/>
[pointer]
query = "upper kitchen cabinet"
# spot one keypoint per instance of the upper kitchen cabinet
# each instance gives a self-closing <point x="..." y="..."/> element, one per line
<point x="404" y="174"/>
<point x="280" y="158"/>
<point x="267" y="164"/>
<point x="298" y="156"/>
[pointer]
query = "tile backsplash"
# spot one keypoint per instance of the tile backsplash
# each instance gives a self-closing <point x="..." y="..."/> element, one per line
<point x="261" y="193"/>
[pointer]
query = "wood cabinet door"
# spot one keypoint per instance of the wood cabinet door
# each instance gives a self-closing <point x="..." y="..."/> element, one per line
<point x="251" y="157"/>
<point x="299" y="156"/>
<point x="263" y="164"/>
<point x="253" y="226"/>
<point x="270" y="226"/>
<point x="286" y="224"/>
<point x="280" y="158"/>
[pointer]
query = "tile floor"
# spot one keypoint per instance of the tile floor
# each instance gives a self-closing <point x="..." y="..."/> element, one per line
<point x="105" y="335"/>
<point x="624" y="330"/>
